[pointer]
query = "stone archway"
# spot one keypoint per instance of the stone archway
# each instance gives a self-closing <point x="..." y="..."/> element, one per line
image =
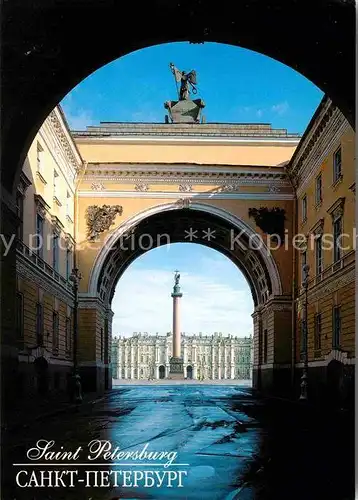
<point x="37" y="58"/>
<point x="233" y="239"/>
<point x="189" y="372"/>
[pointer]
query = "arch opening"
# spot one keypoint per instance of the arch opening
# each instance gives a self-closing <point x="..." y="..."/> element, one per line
<point x="201" y="223"/>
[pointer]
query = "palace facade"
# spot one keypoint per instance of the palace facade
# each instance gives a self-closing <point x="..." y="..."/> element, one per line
<point x="205" y="357"/>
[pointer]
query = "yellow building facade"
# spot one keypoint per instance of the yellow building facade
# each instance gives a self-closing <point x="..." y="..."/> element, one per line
<point x="114" y="191"/>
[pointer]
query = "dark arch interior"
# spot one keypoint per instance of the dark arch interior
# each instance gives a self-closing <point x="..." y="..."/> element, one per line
<point x="175" y="223"/>
<point x="48" y="49"/>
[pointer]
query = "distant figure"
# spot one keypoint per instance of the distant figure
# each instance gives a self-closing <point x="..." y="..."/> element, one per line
<point x="185" y="80"/>
<point x="177" y="277"/>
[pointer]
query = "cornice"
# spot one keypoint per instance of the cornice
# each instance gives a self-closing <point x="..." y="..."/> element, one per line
<point x="220" y="195"/>
<point x="324" y="288"/>
<point x="321" y="139"/>
<point x="25" y="269"/>
<point x="64" y="140"/>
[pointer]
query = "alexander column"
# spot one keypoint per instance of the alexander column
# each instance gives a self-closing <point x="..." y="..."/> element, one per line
<point x="176" y="362"/>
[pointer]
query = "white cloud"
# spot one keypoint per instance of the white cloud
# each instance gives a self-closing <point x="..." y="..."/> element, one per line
<point x="210" y="303"/>
<point x="280" y="108"/>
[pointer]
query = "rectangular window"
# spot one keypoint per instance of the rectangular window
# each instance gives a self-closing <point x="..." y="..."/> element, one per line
<point x="337" y="165"/>
<point x="68" y="263"/>
<point x="319" y="189"/>
<point x="39" y="324"/>
<point x="40" y="235"/>
<point x="20" y="317"/>
<point x="319" y="256"/>
<point x="337" y="232"/>
<point x="336" y="338"/>
<point x="20" y="214"/>
<point x="303" y="263"/>
<point x="68" y="336"/>
<point x="265" y="347"/>
<point x="304" y="208"/>
<point x="39" y="158"/>
<point x="69" y="206"/>
<point x="317" y="331"/>
<point x="55" y="252"/>
<point x="55" y="331"/>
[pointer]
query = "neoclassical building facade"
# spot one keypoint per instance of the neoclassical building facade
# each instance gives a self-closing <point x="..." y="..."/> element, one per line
<point x="205" y="357"/>
<point x="104" y="196"/>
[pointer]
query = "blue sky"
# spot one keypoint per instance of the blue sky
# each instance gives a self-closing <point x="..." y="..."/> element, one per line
<point x="216" y="296"/>
<point x="237" y="85"/>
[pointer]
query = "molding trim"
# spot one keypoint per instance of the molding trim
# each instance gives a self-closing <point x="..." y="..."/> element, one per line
<point x="225" y="215"/>
<point x="177" y="195"/>
<point x="334" y="354"/>
<point x="25" y="270"/>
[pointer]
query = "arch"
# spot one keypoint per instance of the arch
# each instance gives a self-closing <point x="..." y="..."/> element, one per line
<point x="189" y="372"/>
<point x="37" y="58"/>
<point x="161" y="371"/>
<point x="204" y="208"/>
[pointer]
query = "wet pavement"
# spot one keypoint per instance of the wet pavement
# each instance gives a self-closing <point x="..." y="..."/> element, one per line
<point x="222" y="442"/>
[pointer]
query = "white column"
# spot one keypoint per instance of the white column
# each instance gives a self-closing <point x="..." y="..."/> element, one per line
<point x="176" y="327"/>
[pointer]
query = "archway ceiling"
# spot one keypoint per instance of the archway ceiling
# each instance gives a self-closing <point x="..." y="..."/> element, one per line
<point x="175" y="223"/>
<point x="48" y="47"/>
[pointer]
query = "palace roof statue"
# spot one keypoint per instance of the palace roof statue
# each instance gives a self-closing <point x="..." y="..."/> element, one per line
<point x="184" y="110"/>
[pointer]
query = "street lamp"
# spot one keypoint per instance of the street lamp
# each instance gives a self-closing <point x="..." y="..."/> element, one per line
<point x="304" y="378"/>
<point x="75" y="278"/>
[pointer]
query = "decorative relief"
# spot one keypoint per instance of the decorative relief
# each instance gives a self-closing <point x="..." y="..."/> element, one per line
<point x="273" y="189"/>
<point x="318" y="227"/>
<point x="185" y="188"/>
<point x="270" y="221"/>
<point x="97" y="186"/>
<point x="64" y="141"/>
<point x="184" y="202"/>
<point x="100" y="219"/>
<point x="57" y="224"/>
<point x="41" y="206"/>
<point x="229" y="187"/>
<point x="24" y="183"/>
<point x="336" y="210"/>
<point x="141" y="186"/>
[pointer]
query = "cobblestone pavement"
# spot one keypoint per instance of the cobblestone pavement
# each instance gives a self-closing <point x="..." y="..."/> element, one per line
<point x="232" y="445"/>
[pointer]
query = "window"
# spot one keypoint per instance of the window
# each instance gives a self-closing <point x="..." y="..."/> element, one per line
<point x="55" y="331"/>
<point x="40" y="235"/>
<point x="39" y="324"/>
<point x="319" y="255"/>
<point x="319" y="189"/>
<point x="55" y="251"/>
<point x="265" y="347"/>
<point x="69" y="207"/>
<point x="336" y="338"/>
<point x="101" y="344"/>
<point x="68" y="262"/>
<point x="303" y="263"/>
<point x="20" y="214"/>
<point x="55" y="184"/>
<point x="39" y="158"/>
<point x="68" y="336"/>
<point x="304" y="208"/>
<point x="19" y="317"/>
<point x="337" y="231"/>
<point x="337" y="165"/>
<point x="317" y="331"/>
